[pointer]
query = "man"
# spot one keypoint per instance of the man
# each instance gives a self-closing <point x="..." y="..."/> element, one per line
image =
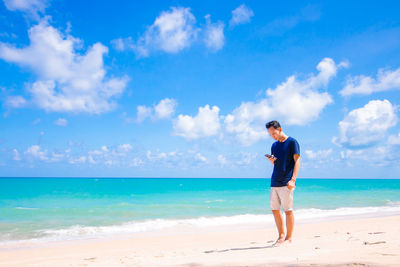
<point x="285" y="156"/>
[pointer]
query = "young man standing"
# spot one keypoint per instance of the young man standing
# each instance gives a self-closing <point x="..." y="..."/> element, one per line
<point x="285" y="156"/>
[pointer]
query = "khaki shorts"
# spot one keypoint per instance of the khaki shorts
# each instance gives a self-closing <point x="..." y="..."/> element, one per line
<point x="281" y="196"/>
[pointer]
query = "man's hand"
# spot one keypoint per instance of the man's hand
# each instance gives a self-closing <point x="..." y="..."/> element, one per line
<point x="271" y="159"/>
<point x="291" y="184"/>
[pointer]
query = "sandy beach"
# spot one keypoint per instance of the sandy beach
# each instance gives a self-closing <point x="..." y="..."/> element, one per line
<point x="342" y="242"/>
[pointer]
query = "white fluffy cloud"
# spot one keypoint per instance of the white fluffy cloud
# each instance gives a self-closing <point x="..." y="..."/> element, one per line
<point x="36" y="152"/>
<point x="15" y="101"/>
<point x="109" y="156"/>
<point x="366" y="125"/>
<point x="32" y="7"/>
<point x="293" y="102"/>
<point x="143" y="112"/>
<point x="365" y="85"/>
<point x="381" y="155"/>
<point x="394" y="139"/>
<point x="247" y="121"/>
<point x="319" y="155"/>
<point x="68" y="81"/>
<point x="163" y="110"/>
<point x="214" y="34"/>
<point x="205" y="123"/>
<point x="124" y="148"/>
<point x="240" y="15"/>
<point x="171" y="32"/>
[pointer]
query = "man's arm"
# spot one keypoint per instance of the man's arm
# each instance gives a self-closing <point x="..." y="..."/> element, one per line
<point x="272" y="160"/>
<point x="296" y="168"/>
<point x="291" y="183"/>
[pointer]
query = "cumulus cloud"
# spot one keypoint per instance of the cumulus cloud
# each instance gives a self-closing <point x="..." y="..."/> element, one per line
<point x="240" y="15"/>
<point x="61" y="122"/>
<point x="293" y="102"/>
<point x="36" y="152"/>
<point x="117" y="155"/>
<point x="366" y="85"/>
<point x="143" y="112"/>
<point x="122" y="44"/>
<point x="394" y="139"/>
<point x="247" y="121"/>
<point x="162" y="110"/>
<point x="367" y="125"/>
<point x="380" y="155"/>
<point x="124" y="148"/>
<point x="205" y="123"/>
<point x="68" y="81"/>
<point x="319" y="155"/>
<point x="214" y="34"/>
<point x="124" y="155"/>
<point x="165" y="108"/>
<point x="15" y="101"/>
<point x="31" y="7"/>
<point x="171" y="32"/>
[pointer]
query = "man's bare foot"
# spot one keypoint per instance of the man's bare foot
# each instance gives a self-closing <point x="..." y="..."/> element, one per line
<point x="288" y="241"/>
<point x="278" y="242"/>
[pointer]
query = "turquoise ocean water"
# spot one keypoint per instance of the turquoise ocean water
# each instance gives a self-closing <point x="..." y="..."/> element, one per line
<point x="68" y="208"/>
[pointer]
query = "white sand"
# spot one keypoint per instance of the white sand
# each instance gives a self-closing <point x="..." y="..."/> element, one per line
<point x="350" y="242"/>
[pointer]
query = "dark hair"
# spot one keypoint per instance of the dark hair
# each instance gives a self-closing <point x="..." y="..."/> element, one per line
<point x="274" y="124"/>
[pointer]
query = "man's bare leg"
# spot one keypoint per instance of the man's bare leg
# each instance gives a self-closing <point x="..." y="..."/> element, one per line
<point x="279" y="224"/>
<point x="289" y="225"/>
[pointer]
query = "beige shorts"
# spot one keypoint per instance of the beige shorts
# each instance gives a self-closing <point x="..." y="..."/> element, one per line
<point x="281" y="197"/>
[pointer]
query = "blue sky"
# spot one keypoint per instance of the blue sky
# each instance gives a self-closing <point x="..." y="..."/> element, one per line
<point x="184" y="88"/>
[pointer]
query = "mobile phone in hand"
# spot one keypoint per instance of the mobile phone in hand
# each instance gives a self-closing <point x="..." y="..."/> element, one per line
<point x="270" y="156"/>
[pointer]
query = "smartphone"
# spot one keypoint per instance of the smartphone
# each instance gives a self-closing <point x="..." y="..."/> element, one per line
<point x="270" y="156"/>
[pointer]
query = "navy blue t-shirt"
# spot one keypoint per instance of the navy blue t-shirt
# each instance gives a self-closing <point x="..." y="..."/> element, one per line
<point x="284" y="163"/>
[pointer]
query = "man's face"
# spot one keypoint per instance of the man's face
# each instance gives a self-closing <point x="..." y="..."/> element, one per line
<point x="275" y="133"/>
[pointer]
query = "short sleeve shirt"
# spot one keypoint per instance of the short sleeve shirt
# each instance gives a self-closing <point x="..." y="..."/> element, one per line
<point x="284" y="163"/>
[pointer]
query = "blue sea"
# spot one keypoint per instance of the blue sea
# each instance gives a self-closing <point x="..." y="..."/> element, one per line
<point x="70" y="208"/>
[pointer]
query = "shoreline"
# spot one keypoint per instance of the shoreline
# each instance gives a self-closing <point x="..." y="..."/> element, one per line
<point x="187" y="229"/>
<point x="345" y="240"/>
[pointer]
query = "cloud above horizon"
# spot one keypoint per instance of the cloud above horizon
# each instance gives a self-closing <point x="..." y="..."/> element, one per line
<point x="293" y="102"/>
<point x="367" y="125"/>
<point x="68" y="81"/>
<point x="171" y="32"/>
<point x="241" y="15"/>
<point x="247" y="121"/>
<point x="31" y="7"/>
<point x="365" y="85"/>
<point x="163" y="110"/>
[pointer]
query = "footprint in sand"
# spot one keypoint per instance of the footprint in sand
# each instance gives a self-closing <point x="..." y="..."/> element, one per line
<point x="376" y="233"/>
<point x="374" y="243"/>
